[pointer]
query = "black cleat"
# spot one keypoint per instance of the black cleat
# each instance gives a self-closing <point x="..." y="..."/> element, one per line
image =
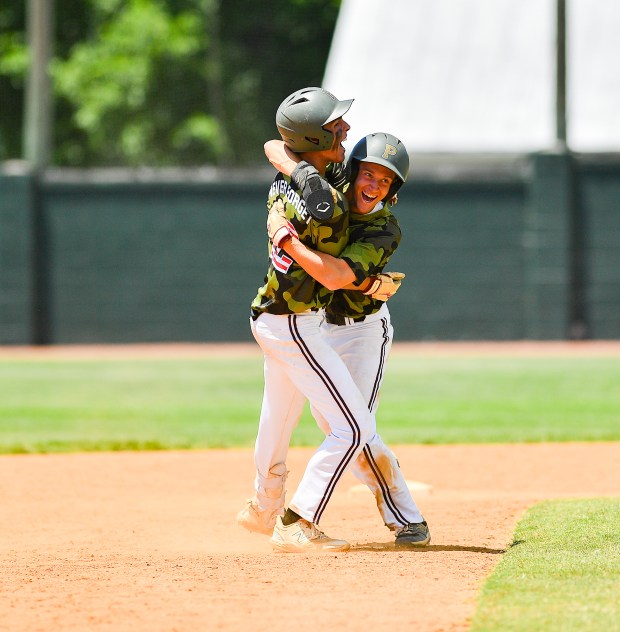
<point x="413" y="534"/>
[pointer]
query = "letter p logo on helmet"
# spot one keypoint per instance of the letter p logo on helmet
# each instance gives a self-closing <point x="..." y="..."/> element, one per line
<point x="390" y="150"/>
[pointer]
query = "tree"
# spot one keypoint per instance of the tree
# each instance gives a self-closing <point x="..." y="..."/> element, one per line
<point x="167" y="82"/>
<point x="13" y="66"/>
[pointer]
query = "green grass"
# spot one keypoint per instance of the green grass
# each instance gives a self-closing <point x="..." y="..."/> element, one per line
<point x="465" y="400"/>
<point x="116" y="405"/>
<point x="76" y="405"/>
<point x="562" y="573"/>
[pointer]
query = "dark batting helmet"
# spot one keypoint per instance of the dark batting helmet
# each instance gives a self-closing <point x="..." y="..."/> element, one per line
<point x="382" y="149"/>
<point x="301" y="116"/>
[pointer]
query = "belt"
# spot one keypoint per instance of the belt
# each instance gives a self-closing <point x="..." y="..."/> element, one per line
<point x="336" y="319"/>
<point x="254" y="313"/>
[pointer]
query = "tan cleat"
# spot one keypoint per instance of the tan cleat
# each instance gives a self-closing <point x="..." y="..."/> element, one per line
<point x="252" y="519"/>
<point x="304" y="537"/>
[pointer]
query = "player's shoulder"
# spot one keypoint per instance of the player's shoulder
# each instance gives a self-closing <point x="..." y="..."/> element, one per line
<point x="381" y="229"/>
<point x="392" y="222"/>
<point x="282" y="186"/>
<point x="382" y="219"/>
<point x="283" y="189"/>
<point x="387" y="219"/>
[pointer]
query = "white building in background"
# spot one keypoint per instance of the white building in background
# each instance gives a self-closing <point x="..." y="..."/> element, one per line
<point x="477" y="75"/>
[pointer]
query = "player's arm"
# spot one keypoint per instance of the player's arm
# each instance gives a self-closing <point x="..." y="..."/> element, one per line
<point x="281" y="157"/>
<point x="318" y="195"/>
<point x="330" y="271"/>
<point x="285" y="161"/>
<point x="333" y="273"/>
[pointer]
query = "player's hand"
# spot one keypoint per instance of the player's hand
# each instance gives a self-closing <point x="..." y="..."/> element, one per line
<point x="279" y="228"/>
<point x="393" y="200"/>
<point x="384" y="285"/>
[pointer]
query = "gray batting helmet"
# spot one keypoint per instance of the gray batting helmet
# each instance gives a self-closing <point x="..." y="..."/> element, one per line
<point x="382" y="149"/>
<point x="301" y="116"/>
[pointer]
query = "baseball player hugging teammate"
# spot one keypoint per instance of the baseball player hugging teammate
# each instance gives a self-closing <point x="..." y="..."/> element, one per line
<point x="323" y="345"/>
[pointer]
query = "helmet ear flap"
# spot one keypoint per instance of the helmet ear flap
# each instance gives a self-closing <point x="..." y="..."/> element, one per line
<point x="393" y="189"/>
<point x="351" y="170"/>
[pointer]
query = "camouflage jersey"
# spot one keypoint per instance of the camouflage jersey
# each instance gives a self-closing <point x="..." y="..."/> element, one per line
<point x="288" y="289"/>
<point x="373" y="238"/>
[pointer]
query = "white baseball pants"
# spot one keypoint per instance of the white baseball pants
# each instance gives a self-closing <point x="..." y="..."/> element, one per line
<point x="299" y="365"/>
<point x="364" y="348"/>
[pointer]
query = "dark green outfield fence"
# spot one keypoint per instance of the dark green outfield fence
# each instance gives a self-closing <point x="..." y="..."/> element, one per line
<point x="495" y="248"/>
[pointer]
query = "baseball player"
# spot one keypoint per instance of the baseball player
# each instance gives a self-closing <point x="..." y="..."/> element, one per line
<point x="285" y="321"/>
<point x="357" y="326"/>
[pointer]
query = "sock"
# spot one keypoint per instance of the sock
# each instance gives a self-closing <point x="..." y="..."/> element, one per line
<point x="289" y="517"/>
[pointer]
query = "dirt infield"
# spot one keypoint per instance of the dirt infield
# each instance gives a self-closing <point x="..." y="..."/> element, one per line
<point x="143" y="542"/>
<point x="147" y="542"/>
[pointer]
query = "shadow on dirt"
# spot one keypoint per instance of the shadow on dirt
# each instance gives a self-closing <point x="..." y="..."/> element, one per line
<point x="431" y="548"/>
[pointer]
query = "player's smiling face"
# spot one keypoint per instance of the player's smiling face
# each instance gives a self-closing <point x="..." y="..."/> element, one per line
<point x="371" y="185"/>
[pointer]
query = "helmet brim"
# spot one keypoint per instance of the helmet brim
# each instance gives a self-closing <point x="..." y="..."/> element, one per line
<point x="341" y="108"/>
<point x="386" y="164"/>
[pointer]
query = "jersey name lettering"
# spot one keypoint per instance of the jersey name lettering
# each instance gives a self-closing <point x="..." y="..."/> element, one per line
<point x="282" y="187"/>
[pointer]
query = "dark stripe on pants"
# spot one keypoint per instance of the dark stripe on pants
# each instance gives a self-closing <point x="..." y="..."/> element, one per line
<point x="318" y="369"/>
<point x="375" y="390"/>
<point x="385" y="488"/>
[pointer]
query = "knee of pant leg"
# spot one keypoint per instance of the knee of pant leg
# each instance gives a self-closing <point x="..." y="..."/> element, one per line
<point x="379" y="452"/>
<point x="359" y="435"/>
<point x="367" y="435"/>
<point x="377" y="445"/>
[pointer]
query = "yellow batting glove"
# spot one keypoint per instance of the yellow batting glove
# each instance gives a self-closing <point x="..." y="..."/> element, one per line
<point x="279" y="228"/>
